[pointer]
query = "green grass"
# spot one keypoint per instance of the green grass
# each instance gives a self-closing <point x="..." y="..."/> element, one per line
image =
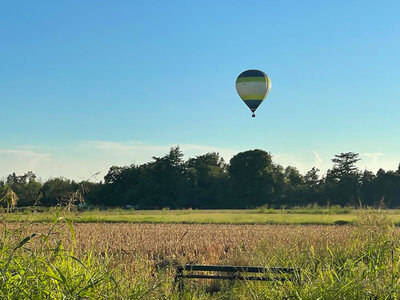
<point x="257" y="216"/>
<point x="48" y="270"/>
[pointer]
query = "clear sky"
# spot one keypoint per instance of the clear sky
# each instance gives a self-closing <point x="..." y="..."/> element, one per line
<point x="89" y="84"/>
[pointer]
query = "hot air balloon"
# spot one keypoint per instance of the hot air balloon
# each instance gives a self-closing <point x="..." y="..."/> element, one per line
<point x="253" y="87"/>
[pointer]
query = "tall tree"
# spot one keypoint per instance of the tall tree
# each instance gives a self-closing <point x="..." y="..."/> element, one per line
<point x="368" y="195"/>
<point x="311" y="179"/>
<point x="293" y="176"/>
<point x="169" y="180"/>
<point x="26" y="187"/>
<point x="208" y="174"/>
<point x="55" y="189"/>
<point x="387" y="188"/>
<point x="253" y="178"/>
<point x="345" y="164"/>
<point x="343" y="180"/>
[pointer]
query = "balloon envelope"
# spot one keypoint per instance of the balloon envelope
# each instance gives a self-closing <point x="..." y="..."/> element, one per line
<point x="253" y="87"/>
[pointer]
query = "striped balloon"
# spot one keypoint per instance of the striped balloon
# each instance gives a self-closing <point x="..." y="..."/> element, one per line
<point x="253" y="87"/>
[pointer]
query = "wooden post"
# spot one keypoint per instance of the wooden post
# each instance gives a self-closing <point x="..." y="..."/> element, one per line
<point x="179" y="274"/>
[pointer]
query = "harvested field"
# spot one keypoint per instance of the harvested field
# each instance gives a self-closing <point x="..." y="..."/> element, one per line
<point x="197" y="243"/>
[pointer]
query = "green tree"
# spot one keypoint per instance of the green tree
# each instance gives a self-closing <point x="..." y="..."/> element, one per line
<point x="293" y="176"/>
<point x="26" y="187"/>
<point x="253" y="178"/>
<point x="343" y="181"/>
<point x="387" y="188"/>
<point x="55" y="189"/>
<point x="115" y="174"/>
<point x="125" y="186"/>
<point x="208" y="174"/>
<point x="312" y="179"/>
<point x="169" y="180"/>
<point x="368" y="192"/>
<point x="344" y="165"/>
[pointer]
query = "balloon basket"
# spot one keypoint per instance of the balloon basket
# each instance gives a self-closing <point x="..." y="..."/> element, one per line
<point x="253" y="115"/>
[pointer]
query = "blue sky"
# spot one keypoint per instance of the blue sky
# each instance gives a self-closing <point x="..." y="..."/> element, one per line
<point x="89" y="84"/>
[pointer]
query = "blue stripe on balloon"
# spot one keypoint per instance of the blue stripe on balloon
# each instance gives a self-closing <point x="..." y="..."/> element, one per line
<point x="253" y="104"/>
<point x="252" y="73"/>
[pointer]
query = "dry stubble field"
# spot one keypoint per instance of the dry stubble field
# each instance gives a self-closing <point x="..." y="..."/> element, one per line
<point x="191" y="243"/>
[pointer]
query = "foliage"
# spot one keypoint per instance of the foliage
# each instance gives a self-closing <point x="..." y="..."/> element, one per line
<point x="47" y="270"/>
<point x="55" y="189"/>
<point x="251" y="179"/>
<point x="26" y="187"/>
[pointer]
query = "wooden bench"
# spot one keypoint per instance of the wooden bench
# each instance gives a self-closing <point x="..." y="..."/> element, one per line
<point x="235" y="273"/>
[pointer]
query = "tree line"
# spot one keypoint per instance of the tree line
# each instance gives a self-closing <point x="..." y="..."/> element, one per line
<point x="250" y="179"/>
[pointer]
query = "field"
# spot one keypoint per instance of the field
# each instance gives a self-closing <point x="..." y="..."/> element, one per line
<point x="134" y="260"/>
<point x="316" y="216"/>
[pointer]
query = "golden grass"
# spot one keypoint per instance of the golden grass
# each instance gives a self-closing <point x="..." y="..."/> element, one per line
<point x="195" y="243"/>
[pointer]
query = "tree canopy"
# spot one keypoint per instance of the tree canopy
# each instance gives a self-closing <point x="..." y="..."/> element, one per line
<point x="250" y="179"/>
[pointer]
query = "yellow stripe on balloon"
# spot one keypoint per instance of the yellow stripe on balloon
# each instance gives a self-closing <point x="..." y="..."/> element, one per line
<point x="253" y="97"/>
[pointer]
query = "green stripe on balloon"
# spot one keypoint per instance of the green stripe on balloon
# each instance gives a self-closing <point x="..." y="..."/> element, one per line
<point x="250" y="79"/>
